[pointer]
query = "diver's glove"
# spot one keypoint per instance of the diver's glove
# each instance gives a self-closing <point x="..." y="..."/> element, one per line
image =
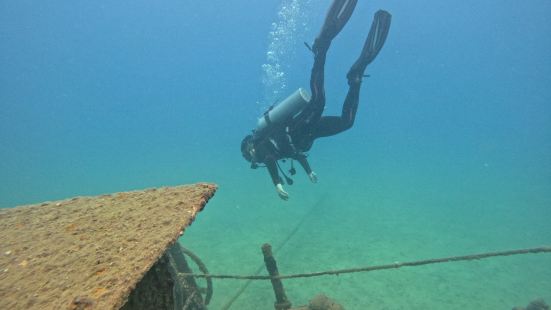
<point x="282" y="193"/>
<point x="313" y="177"/>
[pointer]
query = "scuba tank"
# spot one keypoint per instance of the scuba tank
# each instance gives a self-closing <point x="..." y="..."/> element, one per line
<point x="283" y="111"/>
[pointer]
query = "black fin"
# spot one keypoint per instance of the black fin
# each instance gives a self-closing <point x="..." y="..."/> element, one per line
<point x="377" y="35"/>
<point x="338" y="15"/>
<point x="373" y="44"/>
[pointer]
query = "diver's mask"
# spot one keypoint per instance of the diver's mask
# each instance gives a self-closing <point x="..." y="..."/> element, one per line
<point x="248" y="151"/>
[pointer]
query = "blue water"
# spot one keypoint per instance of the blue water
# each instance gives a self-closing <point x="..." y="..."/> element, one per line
<point x="450" y="153"/>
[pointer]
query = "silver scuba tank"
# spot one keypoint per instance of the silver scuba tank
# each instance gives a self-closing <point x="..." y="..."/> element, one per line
<point x="283" y="111"/>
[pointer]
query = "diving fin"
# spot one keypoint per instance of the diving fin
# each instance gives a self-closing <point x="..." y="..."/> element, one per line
<point x="373" y="44"/>
<point x="338" y="15"/>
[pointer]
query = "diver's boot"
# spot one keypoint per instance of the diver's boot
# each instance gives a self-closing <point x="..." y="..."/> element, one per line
<point x="338" y="15"/>
<point x="373" y="44"/>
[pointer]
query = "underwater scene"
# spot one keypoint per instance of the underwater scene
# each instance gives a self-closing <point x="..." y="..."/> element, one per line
<point x="422" y="130"/>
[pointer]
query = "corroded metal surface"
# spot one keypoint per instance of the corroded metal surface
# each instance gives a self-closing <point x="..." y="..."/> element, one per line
<point x="90" y="252"/>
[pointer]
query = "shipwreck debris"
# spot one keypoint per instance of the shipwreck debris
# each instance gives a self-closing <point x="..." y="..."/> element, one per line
<point x="91" y="252"/>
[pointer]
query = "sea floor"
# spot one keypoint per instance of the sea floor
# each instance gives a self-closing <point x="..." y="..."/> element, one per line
<point x="355" y="225"/>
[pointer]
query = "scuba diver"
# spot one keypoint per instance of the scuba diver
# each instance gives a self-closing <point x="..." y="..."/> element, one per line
<point x="288" y="129"/>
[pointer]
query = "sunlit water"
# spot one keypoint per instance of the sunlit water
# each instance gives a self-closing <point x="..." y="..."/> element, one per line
<point x="450" y="153"/>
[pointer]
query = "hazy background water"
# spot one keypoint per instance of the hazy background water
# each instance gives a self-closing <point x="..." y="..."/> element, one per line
<point x="450" y="152"/>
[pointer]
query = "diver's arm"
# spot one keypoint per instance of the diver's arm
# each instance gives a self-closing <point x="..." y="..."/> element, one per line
<point x="276" y="179"/>
<point x="306" y="166"/>
<point x="304" y="163"/>
<point x="272" y="169"/>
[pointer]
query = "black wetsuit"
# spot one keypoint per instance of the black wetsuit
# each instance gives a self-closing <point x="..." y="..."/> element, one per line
<point x="296" y="137"/>
<point x="299" y="134"/>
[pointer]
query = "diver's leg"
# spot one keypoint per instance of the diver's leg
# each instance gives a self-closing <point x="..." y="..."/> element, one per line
<point x="373" y="44"/>
<point x="331" y="125"/>
<point x="338" y="15"/>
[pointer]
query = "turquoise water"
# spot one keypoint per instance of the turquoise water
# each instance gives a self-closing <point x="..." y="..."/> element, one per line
<point x="450" y="153"/>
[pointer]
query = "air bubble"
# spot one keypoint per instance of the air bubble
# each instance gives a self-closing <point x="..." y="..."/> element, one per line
<point x="289" y="28"/>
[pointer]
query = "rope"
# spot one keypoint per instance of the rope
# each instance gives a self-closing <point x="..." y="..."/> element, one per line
<point x="203" y="269"/>
<point x="314" y="207"/>
<point x="396" y="265"/>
